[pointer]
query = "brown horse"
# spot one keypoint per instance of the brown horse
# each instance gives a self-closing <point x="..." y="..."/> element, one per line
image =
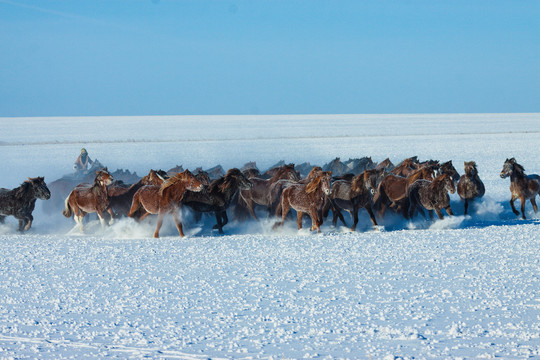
<point x="406" y="168"/>
<point x="258" y="194"/>
<point x="165" y="199"/>
<point x="431" y="195"/>
<point x="88" y="198"/>
<point x="392" y="190"/>
<point x="276" y="189"/>
<point x="523" y="187"/>
<point x="353" y="195"/>
<point x="306" y="198"/>
<point x="470" y="186"/>
<point x="121" y="196"/>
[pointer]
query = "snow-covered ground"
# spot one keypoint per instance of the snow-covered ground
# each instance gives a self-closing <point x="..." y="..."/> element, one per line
<point x="463" y="287"/>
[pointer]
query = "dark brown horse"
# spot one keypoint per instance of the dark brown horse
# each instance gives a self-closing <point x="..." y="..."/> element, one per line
<point x="20" y="202"/>
<point x="470" y="186"/>
<point x="165" y="199"/>
<point x="306" y="198"/>
<point x="392" y="190"/>
<point x="431" y="195"/>
<point x="121" y="196"/>
<point x="522" y="187"/>
<point x="258" y="193"/>
<point x="88" y="198"/>
<point x="353" y="195"/>
<point x="218" y="196"/>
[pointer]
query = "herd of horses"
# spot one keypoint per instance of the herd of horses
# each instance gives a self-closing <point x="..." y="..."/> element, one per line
<point x="314" y="191"/>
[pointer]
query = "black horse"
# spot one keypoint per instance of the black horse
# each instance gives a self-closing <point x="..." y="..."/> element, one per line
<point x="20" y="202"/>
<point x="218" y="196"/>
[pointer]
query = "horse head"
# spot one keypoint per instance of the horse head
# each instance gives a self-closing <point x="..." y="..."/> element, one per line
<point x="470" y="168"/>
<point x="41" y="190"/>
<point x="234" y="177"/>
<point x="448" y="168"/>
<point x="155" y="177"/>
<point x="192" y="183"/>
<point x="203" y="177"/>
<point x="103" y="177"/>
<point x="448" y="183"/>
<point x="510" y="165"/>
<point x="326" y="182"/>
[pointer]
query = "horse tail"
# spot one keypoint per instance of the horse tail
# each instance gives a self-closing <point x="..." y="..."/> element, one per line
<point x="68" y="211"/>
<point x="135" y="204"/>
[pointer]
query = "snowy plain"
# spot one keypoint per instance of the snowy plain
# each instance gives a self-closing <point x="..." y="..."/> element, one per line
<point x="459" y="288"/>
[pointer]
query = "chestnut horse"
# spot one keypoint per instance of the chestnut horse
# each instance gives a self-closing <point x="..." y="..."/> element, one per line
<point x="470" y="186"/>
<point x="121" y="197"/>
<point x="20" y="202"/>
<point x="406" y="167"/>
<point x="258" y="194"/>
<point x="431" y="195"/>
<point x="218" y="196"/>
<point x="164" y="199"/>
<point x="306" y="198"/>
<point x="276" y="189"/>
<point x="392" y="190"/>
<point x="523" y="187"/>
<point x="88" y="198"/>
<point x="353" y="195"/>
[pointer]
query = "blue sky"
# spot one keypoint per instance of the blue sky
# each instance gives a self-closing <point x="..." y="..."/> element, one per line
<point x="173" y="57"/>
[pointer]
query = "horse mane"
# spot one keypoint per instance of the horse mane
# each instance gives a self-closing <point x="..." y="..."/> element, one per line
<point x="224" y="182"/>
<point x="315" y="170"/>
<point x="173" y="181"/>
<point x="21" y="190"/>
<point x="281" y="171"/>
<point x="517" y="167"/>
<point x="313" y="185"/>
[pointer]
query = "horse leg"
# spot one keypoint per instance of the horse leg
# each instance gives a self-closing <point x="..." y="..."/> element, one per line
<point x="101" y="219"/>
<point x="178" y="223"/>
<point x="466" y="206"/>
<point x="439" y="213"/>
<point x="512" y="199"/>
<point x="430" y="213"/>
<point x="2" y="218"/>
<point x="29" y="218"/>
<point x="449" y="210"/>
<point x="248" y="204"/>
<point x="110" y="211"/>
<point x="533" y="203"/>
<point x="284" y="207"/>
<point x="161" y="215"/>
<point x="371" y="214"/>
<point x="299" y="216"/>
<point x="522" y="199"/>
<point x="314" y="220"/>
<point x="79" y="216"/>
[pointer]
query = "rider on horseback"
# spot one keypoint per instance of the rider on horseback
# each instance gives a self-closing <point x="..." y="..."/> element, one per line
<point x="82" y="162"/>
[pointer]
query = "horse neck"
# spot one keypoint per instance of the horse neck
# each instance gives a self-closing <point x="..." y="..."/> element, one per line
<point x="437" y="185"/>
<point x="517" y="176"/>
<point x="25" y="192"/>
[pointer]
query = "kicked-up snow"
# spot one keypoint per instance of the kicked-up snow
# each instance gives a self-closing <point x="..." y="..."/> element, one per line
<point x="458" y="288"/>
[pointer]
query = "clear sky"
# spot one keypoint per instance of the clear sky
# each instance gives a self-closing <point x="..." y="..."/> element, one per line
<point x="175" y="57"/>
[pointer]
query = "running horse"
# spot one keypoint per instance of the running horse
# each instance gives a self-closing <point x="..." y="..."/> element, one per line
<point x="258" y="194"/>
<point x="165" y="199"/>
<point x="218" y="196"/>
<point x="121" y="196"/>
<point x="89" y="198"/>
<point x="523" y="187"/>
<point x="470" y="186"/>
<point x="306" y="198"/>
<point x="431" y="195"/>
<point x="392" y="190"/>
<point x="20" y="202"/>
